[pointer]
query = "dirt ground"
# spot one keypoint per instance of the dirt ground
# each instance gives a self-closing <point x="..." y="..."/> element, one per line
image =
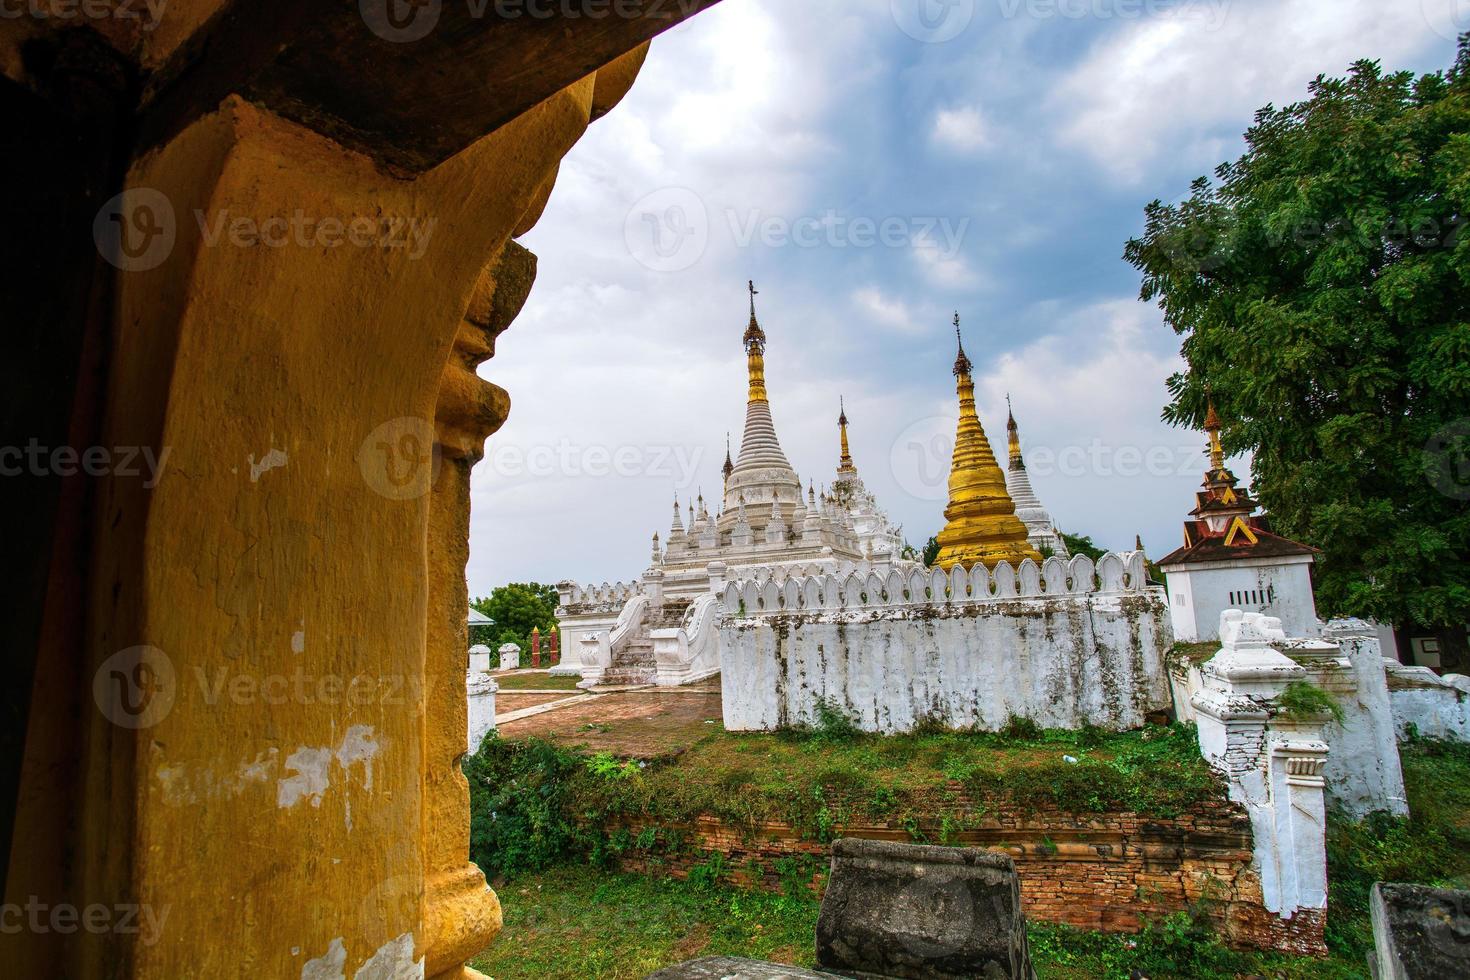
<point x="508" y="701"/>
<point x="634" y="724"/>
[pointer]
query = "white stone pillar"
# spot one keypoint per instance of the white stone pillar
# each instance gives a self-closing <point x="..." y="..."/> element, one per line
<point x="510" y="657"/>
<point x="480" y="659"/>
<point x="481" y="689"/>
<point x="1273" y="766"/>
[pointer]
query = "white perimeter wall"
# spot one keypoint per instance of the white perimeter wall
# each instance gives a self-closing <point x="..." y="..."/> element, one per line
<point x="1060" y="658"/>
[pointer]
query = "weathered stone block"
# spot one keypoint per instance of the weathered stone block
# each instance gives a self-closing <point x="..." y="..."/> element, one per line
<point x="915" y="911"/>
<point x="1419" y="933"/>
<point x="734" y="968"/>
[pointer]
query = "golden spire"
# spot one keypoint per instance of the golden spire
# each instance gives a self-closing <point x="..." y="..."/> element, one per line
<point x="981" y="523"/>
<point x="755" y="350"/>
<point x="844" y="465"/>
<point x="1014" y="438"/>
<point x="1212" y="426"/>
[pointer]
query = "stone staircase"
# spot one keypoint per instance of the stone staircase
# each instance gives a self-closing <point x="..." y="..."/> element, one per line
<point x="633" y="664"/>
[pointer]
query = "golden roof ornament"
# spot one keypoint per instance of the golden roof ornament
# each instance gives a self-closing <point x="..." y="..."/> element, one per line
<point x="844" y="464"/>
<point x="981" y="526"/>
<point x="1013" y="438"/>
<point x="755" y="349"/>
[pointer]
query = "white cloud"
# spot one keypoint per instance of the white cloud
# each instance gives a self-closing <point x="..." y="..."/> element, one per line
<point x="962" y="129"/>
<point x="886" y="311"/>
<point x="1182" y="85"/>
<point x="943" y="268"/>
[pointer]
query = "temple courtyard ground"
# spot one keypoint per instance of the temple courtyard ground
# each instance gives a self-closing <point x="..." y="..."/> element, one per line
<point x="584" y="808"/>
<point x="638" y="723"/>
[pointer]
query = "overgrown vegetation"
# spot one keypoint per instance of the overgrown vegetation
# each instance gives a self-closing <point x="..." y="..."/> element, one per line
<point x="538" y="812"/>
<point x="1431" y="846"/>
<point x="535" y="803"/>
<point x="1303" y="701"/>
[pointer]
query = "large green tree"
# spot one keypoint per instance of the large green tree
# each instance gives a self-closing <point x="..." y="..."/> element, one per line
<point x="1322" y="286"/>
<point x="518" y="608"/>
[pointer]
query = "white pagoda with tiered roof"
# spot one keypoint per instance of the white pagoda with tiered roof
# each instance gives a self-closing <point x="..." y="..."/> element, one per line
<point x="765" y="520"/>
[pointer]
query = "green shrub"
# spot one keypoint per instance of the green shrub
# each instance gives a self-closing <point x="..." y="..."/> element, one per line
<point x="1303" y="701"/>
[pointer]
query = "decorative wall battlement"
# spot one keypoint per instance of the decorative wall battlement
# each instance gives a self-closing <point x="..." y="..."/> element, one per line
<point x="580" y="599"/>
<point x="774" y="591"/>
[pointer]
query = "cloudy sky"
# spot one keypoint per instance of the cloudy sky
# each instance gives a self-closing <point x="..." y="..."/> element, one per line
<point x="875" y="165"/>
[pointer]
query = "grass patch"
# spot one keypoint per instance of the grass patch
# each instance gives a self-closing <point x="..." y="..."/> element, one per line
<point x="1191" y="654"/>
<point x="570" y="923"/>
<point x="533" y="803"/>
<point x="536" y="682"/>
<point x="574" y="923"/>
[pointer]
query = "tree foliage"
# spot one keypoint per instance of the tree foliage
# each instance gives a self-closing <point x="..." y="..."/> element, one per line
<point x="518" y="608"/>
<point x="1082" y="544"/>
<point x="1320" y="283"/>
<point x="931" y="551"/>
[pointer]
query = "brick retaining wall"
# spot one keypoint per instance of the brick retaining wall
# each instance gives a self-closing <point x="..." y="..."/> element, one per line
<point x="1101" y="871"/>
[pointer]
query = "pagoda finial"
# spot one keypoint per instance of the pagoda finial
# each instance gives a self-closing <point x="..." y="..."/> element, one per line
<point x="755" y="349"/>
<point x="961" y="363"/>
<point x="1212" y="426"/>
<point x="844" y="463"/>
<point x="1013" y="434"/>
<point x="729" y="466"/>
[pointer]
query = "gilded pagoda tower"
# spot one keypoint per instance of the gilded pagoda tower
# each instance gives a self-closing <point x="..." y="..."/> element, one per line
<point x="981" y="526"/>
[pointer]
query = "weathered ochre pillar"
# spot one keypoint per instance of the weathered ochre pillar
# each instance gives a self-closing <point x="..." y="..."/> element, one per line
<point x="277" y="626"/>
<point x="461" y="910"/>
